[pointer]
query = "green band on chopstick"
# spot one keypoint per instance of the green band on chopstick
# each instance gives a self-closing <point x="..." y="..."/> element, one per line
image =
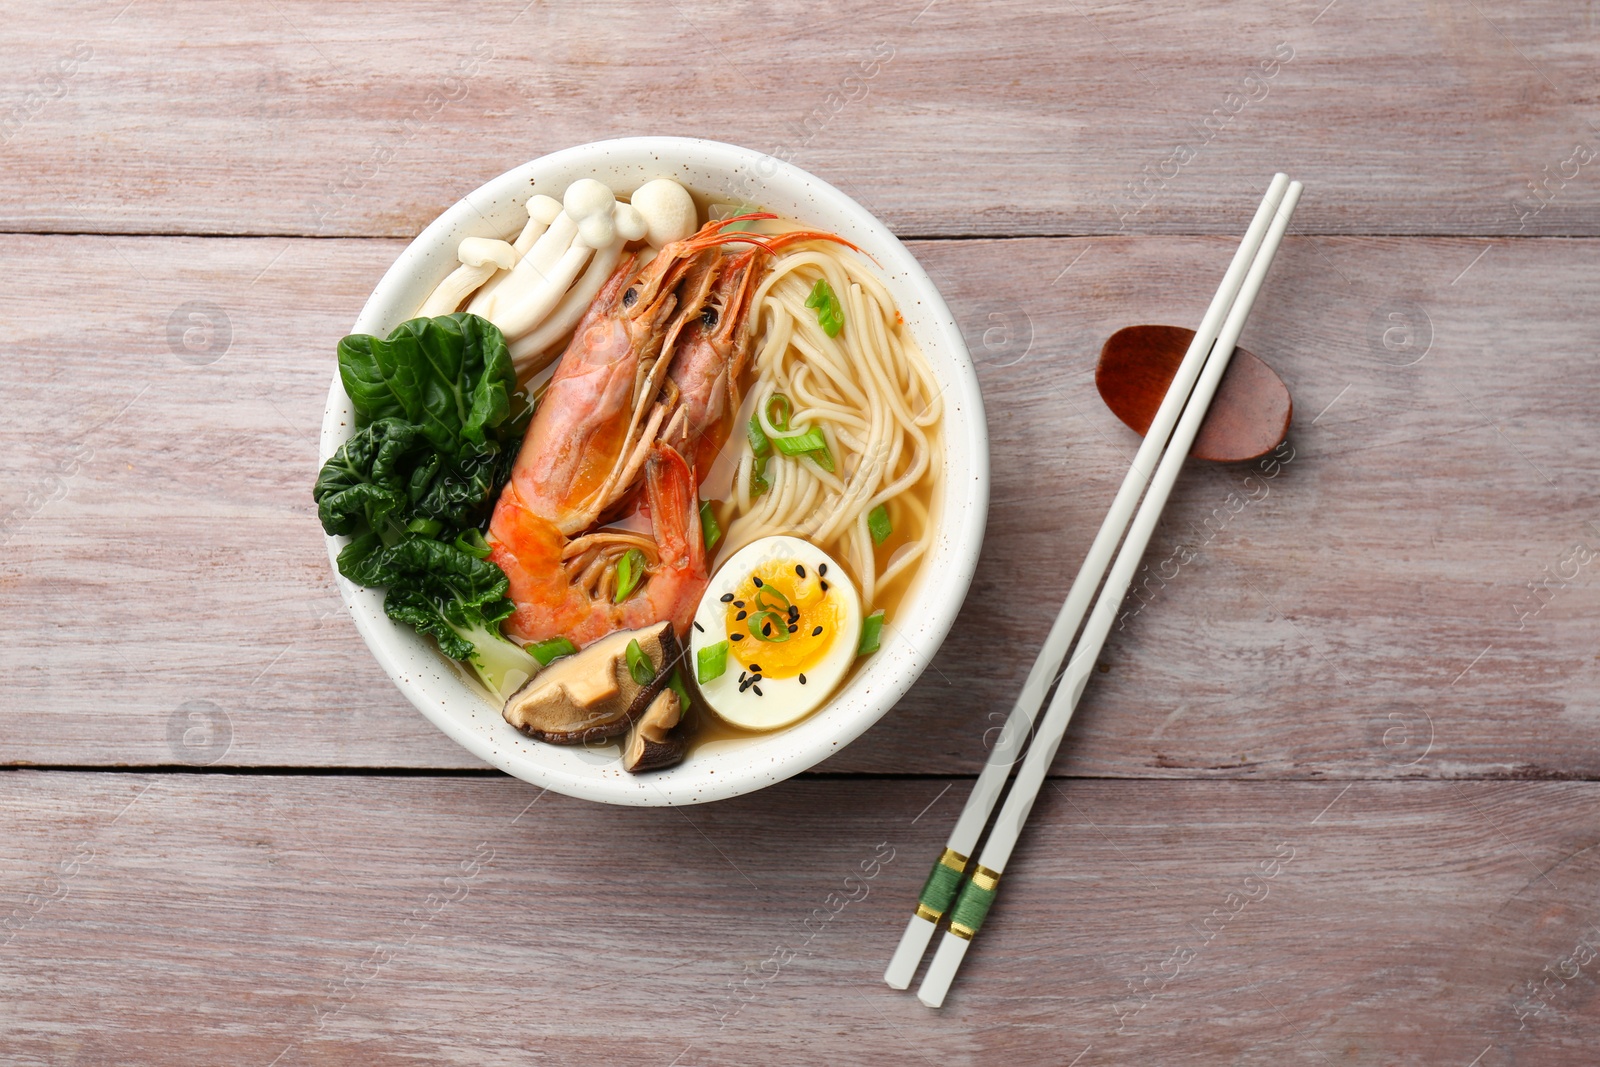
<point x="940" y="888"/>
<point x="973" y="904"/>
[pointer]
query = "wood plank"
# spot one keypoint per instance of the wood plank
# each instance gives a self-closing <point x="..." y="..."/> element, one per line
<point x="1402" y="598"/>
<point x="1012" y="118"/>
<point x="235" y="919"/>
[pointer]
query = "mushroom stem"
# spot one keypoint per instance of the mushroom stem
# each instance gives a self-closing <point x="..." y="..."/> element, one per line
<point x="480" y="258"/>
<point x="504" y="294"/>
<point x="519" y="318"/>
<point x="542" y="341"/>
<point x="542" y="211"/>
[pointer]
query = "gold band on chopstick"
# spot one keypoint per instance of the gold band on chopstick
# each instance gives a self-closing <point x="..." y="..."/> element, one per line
<point x="940" y="888"/>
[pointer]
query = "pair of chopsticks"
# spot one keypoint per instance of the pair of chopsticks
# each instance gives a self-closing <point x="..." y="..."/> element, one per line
<point x="1166" y="444"/>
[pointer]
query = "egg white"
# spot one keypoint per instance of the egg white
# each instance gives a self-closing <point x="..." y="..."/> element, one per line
<point x="782" y="700"/>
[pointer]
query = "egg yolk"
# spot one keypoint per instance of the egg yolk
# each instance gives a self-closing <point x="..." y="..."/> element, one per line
<point x="781" y="619"/>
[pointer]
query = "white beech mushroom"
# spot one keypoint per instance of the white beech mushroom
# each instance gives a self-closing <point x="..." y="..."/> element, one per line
<point x="542" y="211"/>
<point x="668" y="211"/>
<point x="480" y="258"/>
<point x="629" y="225"/>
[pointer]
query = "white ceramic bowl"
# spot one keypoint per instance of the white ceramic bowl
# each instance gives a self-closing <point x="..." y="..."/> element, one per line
<point x="721" y="173"/>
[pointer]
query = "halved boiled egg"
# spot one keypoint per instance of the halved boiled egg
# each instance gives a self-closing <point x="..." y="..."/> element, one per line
<point x="775" y="632"/>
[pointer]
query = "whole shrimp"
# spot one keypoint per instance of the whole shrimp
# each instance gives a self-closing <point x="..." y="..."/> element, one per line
<point x="611" y="414"/>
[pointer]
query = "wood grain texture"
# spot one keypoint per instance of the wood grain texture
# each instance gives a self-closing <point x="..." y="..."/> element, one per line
<point x="1402" y="597"/>
<point x="285" y="920"/>
<point x="999" y="118"/>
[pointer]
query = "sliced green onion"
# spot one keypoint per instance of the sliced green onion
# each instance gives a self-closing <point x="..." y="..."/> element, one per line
<point x="553" y="649"/>
<point x="878" y="524"/>
<point x="780" y="421"/>
<point x="769" y="599"/>
<point x="710" y="529"/>
<point x="800" y="444"/>
<point x="471" y="541"/>
<point x="639" y="665"/>
<point x="830" y="316"/>
<point x="630" y="572"/>
<point x="758" y="476"/>
<point x="675" y="683"/>
<point x="822" y="458"/>
<point x="772" y="620"/>
<point x="759" y="444"/>
<point x="711" y="662"/>
<point x="748" y="224"/>
<point x="871" y="633"/>
<point x="426" y="527"/>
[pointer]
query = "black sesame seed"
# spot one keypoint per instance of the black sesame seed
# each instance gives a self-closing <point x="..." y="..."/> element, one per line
<point x="792" y="629"/>
<point x="739" y="617"/>
<point x="737" y="603"/>
<point x="697" y="626"/>
<point x="817" y="632"/>
<point x="802" y="679"/>
<point x="736" y="637"/>
<point x="741" y="676"/>
<point x="756" y="689"/>
<point x="822" y="568"/>
<point x="824" y="586"/>
<point x="755" y="668"/>
<point x="766" y="629"/>
<point x="746" y="684"/>
<point x="800" y="570"/>
<point x="726" y="597"/>
<point x="757" y="580"/>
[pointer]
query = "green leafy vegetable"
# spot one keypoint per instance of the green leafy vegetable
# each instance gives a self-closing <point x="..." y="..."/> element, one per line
<point x="871" y="633"/>
<point x="630" y="572"/>
<point x="639" y="664"/>
<point x="711" y="662"/>
<point x="878" y="524"/>
<point x="364" y="487"/>
<point x="547" y="652"/>
<point x="830" y="316"/>
<point x="710" y="529"/>
<point x="438" y="421"/>
<point x="452" y="595"/>
<point x="450" y="376"/>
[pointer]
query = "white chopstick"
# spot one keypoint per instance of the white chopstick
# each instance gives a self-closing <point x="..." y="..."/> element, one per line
<point x="951" y="864"/>
<point x="978" y="893"/>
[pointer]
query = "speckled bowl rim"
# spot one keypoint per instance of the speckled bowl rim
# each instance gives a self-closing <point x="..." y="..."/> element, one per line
<point x="726" y="769"/>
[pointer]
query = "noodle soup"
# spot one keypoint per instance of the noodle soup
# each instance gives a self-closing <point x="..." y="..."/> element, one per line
<point x="814" y="491"/>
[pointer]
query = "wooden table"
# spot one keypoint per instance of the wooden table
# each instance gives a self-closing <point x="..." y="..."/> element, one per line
<point x="1370" y="669"/>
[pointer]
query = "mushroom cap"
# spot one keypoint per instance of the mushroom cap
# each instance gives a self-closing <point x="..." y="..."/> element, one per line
<point x="630" y="224"/>
<point x="589" y="203"/>
<point x="668" y="210"/>
<point x="480" y="251"/>
<point x="592" y="695"/>
<point x="543" y="208"/>
<point x="654" y="741"/>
